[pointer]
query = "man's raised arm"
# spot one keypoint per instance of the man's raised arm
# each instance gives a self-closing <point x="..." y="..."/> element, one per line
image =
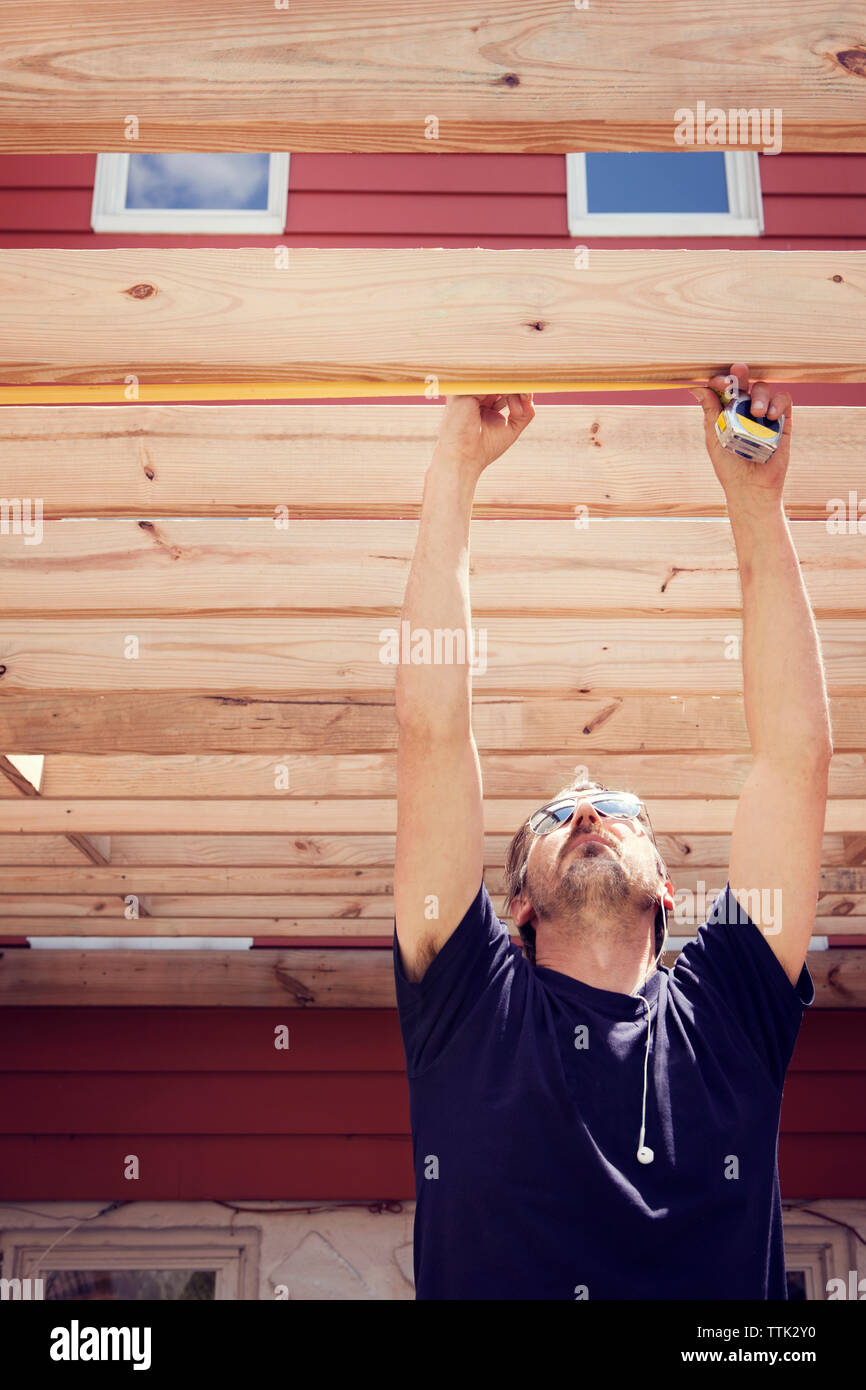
<point x="779" y="822"/>
<point x="440" y="832"/>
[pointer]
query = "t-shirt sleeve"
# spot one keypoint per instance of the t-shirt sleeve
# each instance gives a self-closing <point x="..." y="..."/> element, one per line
<point x="732" y="964"/>
<point x="461" y="974"/>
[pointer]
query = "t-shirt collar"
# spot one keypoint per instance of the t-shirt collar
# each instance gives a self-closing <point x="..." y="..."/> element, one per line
<point x="604" y="1001"/>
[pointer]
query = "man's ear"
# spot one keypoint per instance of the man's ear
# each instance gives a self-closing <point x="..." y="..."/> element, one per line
<point x="668" y="894"/>
<point x="521" y="909"/>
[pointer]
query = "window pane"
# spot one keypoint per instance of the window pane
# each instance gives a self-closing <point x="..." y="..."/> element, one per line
<point x="656" y="182"/>
<point x="796" y="1283"/>
<point x="155" y="1285"/>
<point x="212" y="181"/>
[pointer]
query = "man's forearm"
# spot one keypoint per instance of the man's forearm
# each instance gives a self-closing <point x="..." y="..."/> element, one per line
<point x="437" y="596"/>
<point x="786" y="708"/>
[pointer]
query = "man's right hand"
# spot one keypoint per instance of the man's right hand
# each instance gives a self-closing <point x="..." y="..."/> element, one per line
<point x="474" y="430"/>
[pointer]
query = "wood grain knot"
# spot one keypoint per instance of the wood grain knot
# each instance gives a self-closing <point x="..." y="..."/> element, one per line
<point x="140" y="291"/>
<point x="853" y="60"/>
<point x="509" y="79"/>
<point x="837" y="278"/>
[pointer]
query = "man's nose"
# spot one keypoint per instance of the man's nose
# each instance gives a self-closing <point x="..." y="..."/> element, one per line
<point x="585" y="811"/>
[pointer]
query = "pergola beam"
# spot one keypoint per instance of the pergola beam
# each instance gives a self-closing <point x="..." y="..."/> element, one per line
<point x="303" y="977"/>
<point x="427" y="315"/>
<point x="510" y="75"/>
<point x="368" y="461"/>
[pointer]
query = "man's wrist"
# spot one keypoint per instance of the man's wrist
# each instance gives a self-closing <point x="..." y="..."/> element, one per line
<point x="752" y="507"/>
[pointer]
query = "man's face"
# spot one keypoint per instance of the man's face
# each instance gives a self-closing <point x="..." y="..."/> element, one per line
<point x="591" y="861"/>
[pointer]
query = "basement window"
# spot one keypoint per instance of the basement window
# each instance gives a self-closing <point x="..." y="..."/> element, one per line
<point x="695" y="193"/>
<point x="178" y="1264"/>
<point x="231" y="194"/>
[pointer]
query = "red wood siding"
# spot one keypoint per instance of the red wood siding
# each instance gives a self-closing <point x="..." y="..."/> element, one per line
<point x="214" y="1111"/>
<point x="810" y="202"/>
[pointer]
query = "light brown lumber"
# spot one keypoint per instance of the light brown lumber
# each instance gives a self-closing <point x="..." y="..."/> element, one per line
<point x="312" y="927"/>
<point x="151" y="461"/>
<point x="578" y="728"/>
<point x="234" y="881"/>
<point x="340" y="815"/>
<point x="407" y="314"/>
<point x="209" y="566"/>
<point x="337" y="978"/>
<point x="13" y="774"/>
<point x="308" y="855"/>
<point x="229" y="655"/>
<point x="375" y="774"/>
<point x="508" y="75"/>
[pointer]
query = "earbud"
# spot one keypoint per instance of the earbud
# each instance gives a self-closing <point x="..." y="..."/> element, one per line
<point x="644" y="1154"/>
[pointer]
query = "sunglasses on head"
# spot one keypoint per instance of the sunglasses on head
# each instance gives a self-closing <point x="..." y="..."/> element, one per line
<point x="624" y="804"/>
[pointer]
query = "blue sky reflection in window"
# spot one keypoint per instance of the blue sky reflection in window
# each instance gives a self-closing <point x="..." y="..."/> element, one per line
<point x="198" y="180"/>
<point x="641" y="182"/>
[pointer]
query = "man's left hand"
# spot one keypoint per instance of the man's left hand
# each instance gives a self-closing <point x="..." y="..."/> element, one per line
<point x="743" y="480"/>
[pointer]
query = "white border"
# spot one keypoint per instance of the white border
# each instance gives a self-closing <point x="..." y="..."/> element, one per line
<point x="745" y="218"/>
<point x="110" y="215"/>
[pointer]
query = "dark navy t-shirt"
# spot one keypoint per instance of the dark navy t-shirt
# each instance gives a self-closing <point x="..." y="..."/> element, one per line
<point x="525" y="1091"/>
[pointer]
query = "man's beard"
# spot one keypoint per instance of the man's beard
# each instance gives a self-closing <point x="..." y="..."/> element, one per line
<point x="587" y="889"/>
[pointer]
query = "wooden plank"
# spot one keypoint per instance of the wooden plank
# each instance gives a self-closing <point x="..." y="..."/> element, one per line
<point x="367" y="461"/>
<point x="213" y="565"/>
<point x="427" y="214"/>
<point x="678" y="656"/>
<point x="172" y="1040"/>
<point x="251" y="1103"/>
<point x="342" y="815"/>
<point x="374" y="1103"/>
<point x="820" y="174"/>
<point x="372" y="1168"/>
<point x="238" y="1041"/>
<point x="514" y="75"/>
<point x="282" y="927"/>
<point x="232" y="881"/>
<point x="301" y="977"/>
<point x="576" y="728"/>
<point x="400" y="314"/>
<point x="375" y="774"/>
<point x="357" y="853"/>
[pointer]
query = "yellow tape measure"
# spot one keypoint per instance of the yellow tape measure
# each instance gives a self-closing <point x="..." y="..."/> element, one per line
<point x="137" y="393"/>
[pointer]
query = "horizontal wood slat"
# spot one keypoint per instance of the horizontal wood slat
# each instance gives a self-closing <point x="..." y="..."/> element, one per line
<point x="342" y="815"/>
<point x="598" y="565"/>
<point x="233" y="881"/>
<point x="314" y="1167"/>
<point x="281" y="927"/>
<point x="332" y="655"/>
<point x="507" y="75"/>
<point x="469" y="173"/>
<point x="316" y="1103"/>
<point x="575" y="728"/>
<point x="240" y="1040"/>
<point x="375" y="774"/>
<point x="251" y="1103"/>
<point x="291" y="1167"/>
<point x="409" y="314"/>
<point x="541" y="217"/>
<point x="302" y="977"/>
<point x="356" y="461"/>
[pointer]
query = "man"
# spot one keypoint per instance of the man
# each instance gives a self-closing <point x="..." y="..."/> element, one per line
<point x="587" y="1123"/>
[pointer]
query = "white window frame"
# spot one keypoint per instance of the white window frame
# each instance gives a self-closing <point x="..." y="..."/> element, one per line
<point x="744" y="218"/>
<point x="234" y="1255"/>
<point x="820" y="1249"/>
<point x="110" y="215"/>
